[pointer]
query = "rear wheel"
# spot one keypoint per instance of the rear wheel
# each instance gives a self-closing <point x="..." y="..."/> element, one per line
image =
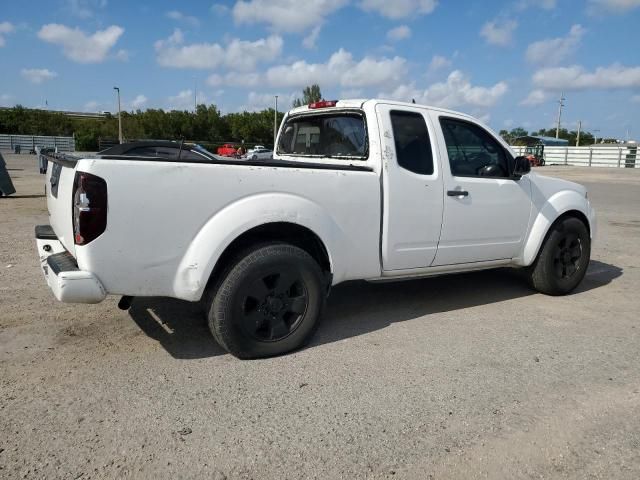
<point x="563" y="259"/>
<point x="268" y="303"/>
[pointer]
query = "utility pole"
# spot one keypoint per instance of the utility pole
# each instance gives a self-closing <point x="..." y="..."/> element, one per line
<point x="117" y="89"/>
<point x="195" y="95"/>
<point x="579" y="128"/>
<point x="560" y="105"/>
<point x="595" y="135"/>
<point x="275" y="124"/>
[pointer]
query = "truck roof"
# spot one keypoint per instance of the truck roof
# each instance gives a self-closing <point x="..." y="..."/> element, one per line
<point x="360" y="102"/>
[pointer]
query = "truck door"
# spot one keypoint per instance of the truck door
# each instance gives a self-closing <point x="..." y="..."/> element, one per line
<point x="486" y="211"/>
<point x="412" y="188"/>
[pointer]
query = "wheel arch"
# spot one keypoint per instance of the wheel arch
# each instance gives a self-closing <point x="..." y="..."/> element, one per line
<point x="260" y="218"/>
<point x="547" y="217"/>
<point x="285" y="232"/>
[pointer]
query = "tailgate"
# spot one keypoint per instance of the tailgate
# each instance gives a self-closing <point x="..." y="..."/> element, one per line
<point x="59" y="191"/>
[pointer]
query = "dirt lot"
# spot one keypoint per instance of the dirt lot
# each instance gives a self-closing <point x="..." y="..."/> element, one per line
<point x="468" y="376"/>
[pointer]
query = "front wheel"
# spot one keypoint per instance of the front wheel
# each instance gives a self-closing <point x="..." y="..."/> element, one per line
<point x="268" y="303"/>
<point x="563" y="259"/>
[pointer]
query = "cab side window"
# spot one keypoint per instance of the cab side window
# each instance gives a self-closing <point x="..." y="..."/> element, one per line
<point x="413" y="147"/>
<point x="472" y="151"/>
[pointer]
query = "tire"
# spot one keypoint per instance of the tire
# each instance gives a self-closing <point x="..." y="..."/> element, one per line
<point x="563" y="259"/>
<point x="255" y="157"/>
<point x="268" y="302"/>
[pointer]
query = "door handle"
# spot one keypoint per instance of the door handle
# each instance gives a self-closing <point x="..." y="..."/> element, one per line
<point x="457" y="193"/>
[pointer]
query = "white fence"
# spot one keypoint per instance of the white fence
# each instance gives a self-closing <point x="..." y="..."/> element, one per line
<point x="620" y="156"/>
<point x="30" y="142"/>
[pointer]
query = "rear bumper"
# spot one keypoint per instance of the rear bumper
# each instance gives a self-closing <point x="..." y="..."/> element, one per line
<point x="68" y="283"/>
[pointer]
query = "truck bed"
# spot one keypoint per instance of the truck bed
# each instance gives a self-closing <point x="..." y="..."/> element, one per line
<point x="167" y="220"/>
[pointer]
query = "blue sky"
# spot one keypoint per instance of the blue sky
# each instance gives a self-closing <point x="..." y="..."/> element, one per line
<point x="504" y="61"/>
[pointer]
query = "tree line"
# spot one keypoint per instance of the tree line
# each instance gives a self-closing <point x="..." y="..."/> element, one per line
<point x="586" y="138"/>
<point x="206" y="125"/>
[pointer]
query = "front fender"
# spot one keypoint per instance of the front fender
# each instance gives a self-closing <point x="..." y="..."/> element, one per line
<point x="241" y="216"/>
<point x="557" y="205"/>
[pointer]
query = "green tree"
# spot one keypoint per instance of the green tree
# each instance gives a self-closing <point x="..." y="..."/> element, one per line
<point x="509" y="137"/>
<point x="310" y="94"/>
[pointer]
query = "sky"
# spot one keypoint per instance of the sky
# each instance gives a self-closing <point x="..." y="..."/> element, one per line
<point x="505" y="62"/>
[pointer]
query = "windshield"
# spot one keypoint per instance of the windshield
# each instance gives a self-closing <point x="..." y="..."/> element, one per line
<point x="333" y="135"/>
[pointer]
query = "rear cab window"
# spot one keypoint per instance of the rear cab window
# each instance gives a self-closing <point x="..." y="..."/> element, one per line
<point x="411" y="138"/>
<point x="341" y="134"/>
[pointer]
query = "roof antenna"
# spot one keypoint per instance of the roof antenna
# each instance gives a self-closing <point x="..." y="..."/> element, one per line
<point x="413" y="100"/>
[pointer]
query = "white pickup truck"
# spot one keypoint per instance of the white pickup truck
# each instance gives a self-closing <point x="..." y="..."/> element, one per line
<point x="358" y="189"/>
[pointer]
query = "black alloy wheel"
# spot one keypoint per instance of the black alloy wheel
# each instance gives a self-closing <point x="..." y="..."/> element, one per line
<point x="268" y="301"/>
<point x="273" y="305"/>
<point x="563" y="258"/>
<point x="566" y="261"/>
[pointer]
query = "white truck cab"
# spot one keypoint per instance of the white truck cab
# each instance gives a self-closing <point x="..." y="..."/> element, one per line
<point x="357" y="189"/>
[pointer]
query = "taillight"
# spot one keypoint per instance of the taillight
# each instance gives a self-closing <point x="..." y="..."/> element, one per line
<point x="323" y="104"/>
<point x="89" y="207"/>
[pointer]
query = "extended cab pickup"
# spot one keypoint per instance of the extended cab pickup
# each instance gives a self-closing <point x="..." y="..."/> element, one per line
<point x="360" y="189"/>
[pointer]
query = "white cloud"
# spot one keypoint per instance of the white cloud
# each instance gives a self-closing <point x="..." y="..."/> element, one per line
<point x="239" y="54"/>
<point x="139" y="102"/>
<point x="235" y="79"/>
<point x="91" y="106"/>
<point x="79" y="46"/>
<point x="399" y="8"/>
<point x="310" y="40"/>
<point x="553" y="50"/>
<point x="596" y="7"/>
<point x="438" y="62"/>
<point x="261" y="101"/>
<point x="535" y="97"/>
<point x="499" y="32"/>
<point x="351" y="93"/>
<point x="456" y="92"/>
<point x="576" y="77"/>
<point x="341" y="69"/>
<point x="399" y="33"/>
<point x="181" y="17"/>
<point x="485" y="118"/>
<point x="5" y="29"/>
<point x="37" y="75"/>
<point x="85" y="8"/>
<point x="122" y="55"/>
<point x="219" y="9"/>
<point x="285" y="15"/>
<point x="184" y="100"/>
<point x="544" y="4"/>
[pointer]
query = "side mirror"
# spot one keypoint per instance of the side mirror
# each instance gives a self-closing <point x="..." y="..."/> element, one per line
<point x="521" y="166"/>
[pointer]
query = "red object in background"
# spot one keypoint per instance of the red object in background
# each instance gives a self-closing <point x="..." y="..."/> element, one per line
<point x="227" y="150"/>
<point x="533" y="160"/>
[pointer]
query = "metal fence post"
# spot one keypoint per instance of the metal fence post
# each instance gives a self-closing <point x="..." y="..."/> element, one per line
<point x="619" y="156"/>
<point x="566" y="155"/>
<point x="590" y="155"/>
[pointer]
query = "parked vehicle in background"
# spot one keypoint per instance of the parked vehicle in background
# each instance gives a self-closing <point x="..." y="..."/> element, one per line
<point x="259" y="153"/>
<point x="160" y="149"/>
<point x="534" y="147"/>
<point x="374" y="190"/>
<point x="227" y="150"/>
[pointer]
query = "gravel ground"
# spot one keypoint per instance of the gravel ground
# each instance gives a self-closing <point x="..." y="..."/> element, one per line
<point x="466" y="376"/>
